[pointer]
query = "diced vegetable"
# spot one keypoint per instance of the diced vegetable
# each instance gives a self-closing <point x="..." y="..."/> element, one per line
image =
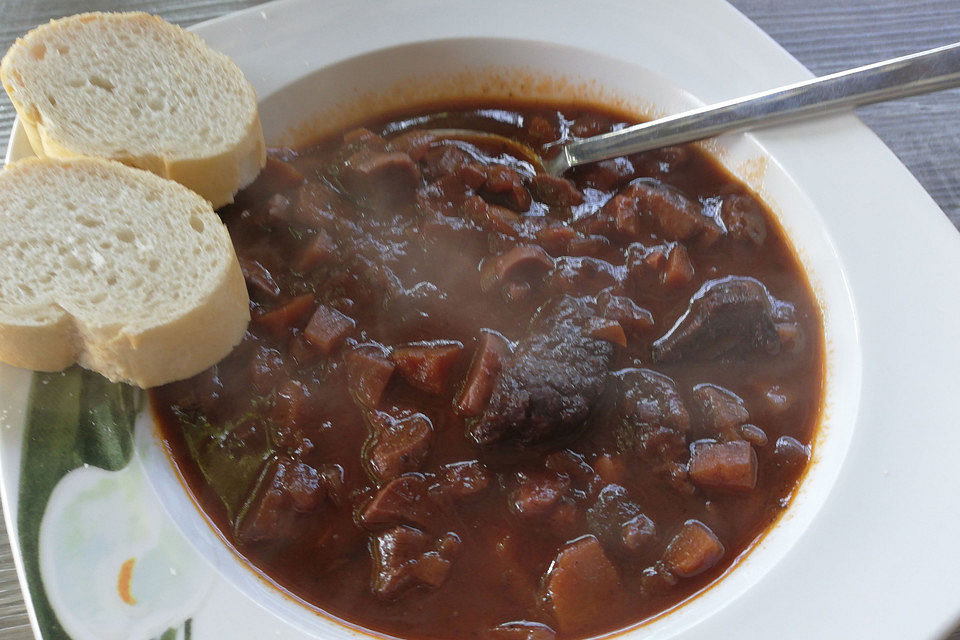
<point x="522" y="261"/>
<point x="398" y="445"/>
<point x="580" y="585"/>
<point x="427" y="365"/>
<point x="536" y="493"/>
<point x="290" y="315"/>
<point x="724" y="465"/>
<point x="492" y="349"/>
<point x="369" y="369"/>
<point x="693" y="550"/>
<point x="321" y="250"/>
<point x="404" y="500"/>
<point x="328" y="328"/>
<point x="679" y="270"/>
<point x="609" y="330"/>
<point x="404" y="557"/>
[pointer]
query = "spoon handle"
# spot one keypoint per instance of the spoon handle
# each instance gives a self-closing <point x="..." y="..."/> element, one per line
<point x="923" y="72"/>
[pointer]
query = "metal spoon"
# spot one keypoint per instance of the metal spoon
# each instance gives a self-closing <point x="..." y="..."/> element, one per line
<point x="918" y="73"/>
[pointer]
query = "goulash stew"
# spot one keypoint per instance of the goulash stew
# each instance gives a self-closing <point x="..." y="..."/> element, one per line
<point x="476" y="401"/>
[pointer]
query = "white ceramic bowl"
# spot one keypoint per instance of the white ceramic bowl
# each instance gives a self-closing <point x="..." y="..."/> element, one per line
<point x="423" y="72"/>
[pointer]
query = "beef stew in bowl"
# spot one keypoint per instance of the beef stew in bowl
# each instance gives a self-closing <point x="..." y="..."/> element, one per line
<point x="478" y="401"/>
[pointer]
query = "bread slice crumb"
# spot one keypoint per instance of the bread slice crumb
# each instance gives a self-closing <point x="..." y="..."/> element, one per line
<point x="133" y="88"/>
<point x="126" y="273"/>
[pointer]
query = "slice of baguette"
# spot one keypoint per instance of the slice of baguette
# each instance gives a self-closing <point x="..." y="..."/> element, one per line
<point x="133" y="88"/>
<point x="126" y="273"/>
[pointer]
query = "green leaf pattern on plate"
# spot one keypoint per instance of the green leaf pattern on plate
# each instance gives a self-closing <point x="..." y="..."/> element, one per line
<point x="84" y="510"/>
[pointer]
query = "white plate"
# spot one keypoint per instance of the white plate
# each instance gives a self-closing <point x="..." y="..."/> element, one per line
<point x="868" y="548"/>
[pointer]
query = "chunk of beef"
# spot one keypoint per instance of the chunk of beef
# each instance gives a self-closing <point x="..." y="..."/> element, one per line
<point x="618" y="522"/>
<point x="619" y="216"/>
<point x="647" y="206"/>
<point x="319" y="206"/>
<point x="657" y="580"/>
<point x="415" y="143"/>
<point x="672" y="215"/>
<point x="543" y="130"/>
<point x="574" y="466"/>
<point x="492" y="350"/>
<point x="491" y="217"/>
<point x="591" y="124"/>
<point x="294" y="404"/>
<point x="580" y="585"/>
<point x="427" y="365"/>
<point x="605" y="175"/>
<point x="723" y="465"/>
<point x="397" y="444"/>
<point x="551" y="383"/>
<point x="589" y="245"/>
<point x="443" y="160"/>
<point x="443" y="198"/>
<point x="790" y="453"/>
<point x="653" y="416"/>
<point x="556" y="239"/>
<point x="504" y="186"/>
<point x="633" y="318"/>
<point x="791" y="334"/>
<point x="361" y="136"/>
<point x="721" y="410"/>
<point x="403" y="500"/>
<point x="693" y="550"/>
<point x="275" y="176"/>
<point x="404" y="557"/>
<point x="666" y="264"/>
<point x="369" y="369"/>
<point x="584" y="275"/>
<point x="286" y="488"/>
<point x="743" y="219"/>
<point x="555" y="192"/>
<point x="463" y="480"/>
<point x="732" y="314"/>
<point x="258" y="277"/>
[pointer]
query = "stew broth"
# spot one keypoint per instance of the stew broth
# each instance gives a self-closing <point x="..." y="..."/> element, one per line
<point x="478" y="402"/>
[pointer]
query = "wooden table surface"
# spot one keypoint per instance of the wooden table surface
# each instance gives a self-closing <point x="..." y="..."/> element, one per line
<point x="825" y="35"/>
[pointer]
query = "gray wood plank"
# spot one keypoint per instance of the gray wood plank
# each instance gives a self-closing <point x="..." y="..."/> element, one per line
<point x="825" y="35"/>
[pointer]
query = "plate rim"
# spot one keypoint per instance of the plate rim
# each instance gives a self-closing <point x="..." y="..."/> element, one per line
<point x="921" y="205"/>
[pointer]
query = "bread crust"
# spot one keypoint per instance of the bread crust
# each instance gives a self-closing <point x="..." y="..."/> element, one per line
<point x="217" y="173"/>
<point x="177" y="349"/>
<point x="119" y="343"/>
